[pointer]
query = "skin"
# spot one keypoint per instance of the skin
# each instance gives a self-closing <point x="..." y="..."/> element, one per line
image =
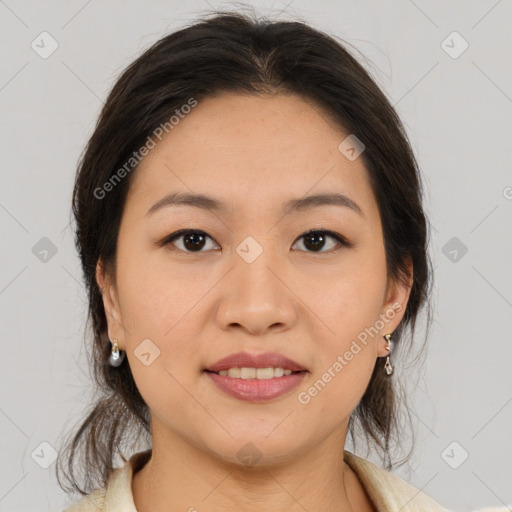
<point x="253" y="153"/>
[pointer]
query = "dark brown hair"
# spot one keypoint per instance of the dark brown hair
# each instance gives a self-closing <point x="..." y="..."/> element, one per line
<point x="230" y="51"/>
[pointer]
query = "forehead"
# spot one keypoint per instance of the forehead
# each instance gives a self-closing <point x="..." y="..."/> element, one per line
<point x="249" y="150"/>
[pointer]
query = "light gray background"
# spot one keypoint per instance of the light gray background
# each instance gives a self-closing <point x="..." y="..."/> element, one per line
<point x="457" y="113"/>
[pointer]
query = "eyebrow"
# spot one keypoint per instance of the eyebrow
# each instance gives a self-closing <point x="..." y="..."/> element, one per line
<point x="294" y="205"/>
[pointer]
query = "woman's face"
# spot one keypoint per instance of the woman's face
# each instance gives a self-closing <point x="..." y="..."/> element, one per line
<point x="253" y="283"/>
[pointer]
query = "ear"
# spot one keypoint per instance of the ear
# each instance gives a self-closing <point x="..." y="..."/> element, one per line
<point x="110" y="303"/>
<point x="395" y="304"/>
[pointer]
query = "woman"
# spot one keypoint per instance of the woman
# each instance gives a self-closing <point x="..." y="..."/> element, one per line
<point x="250" y="224"/>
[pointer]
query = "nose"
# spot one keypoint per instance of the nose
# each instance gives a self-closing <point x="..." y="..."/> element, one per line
<point x="256" y="298"/>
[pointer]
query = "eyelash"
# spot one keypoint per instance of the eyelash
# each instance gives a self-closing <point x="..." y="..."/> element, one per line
<point x="336" y="236"/>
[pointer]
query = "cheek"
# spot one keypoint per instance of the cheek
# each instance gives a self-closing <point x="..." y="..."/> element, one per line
<point x="155" y="294"/>
<point x="350" y="307"/>
<point x="352" y="294"/>
<point x="159" y="312"/>
<point x="158" y="305"/>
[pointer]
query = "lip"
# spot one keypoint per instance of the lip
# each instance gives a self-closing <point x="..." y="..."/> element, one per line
<point x="256" y="390"/>
<point x="264" y="360"/>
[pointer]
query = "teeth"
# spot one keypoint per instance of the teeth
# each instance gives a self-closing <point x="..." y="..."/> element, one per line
<point x="255" y="373"/>
<point x="233" y="372"/>
<point x="278" y="372"/>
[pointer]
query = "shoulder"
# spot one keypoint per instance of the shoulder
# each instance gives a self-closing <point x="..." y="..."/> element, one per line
<point x="495" y="509"/>
<point x="388" y="491"/>
<point x="95" y="501"/>
<point x="117" y="494"/>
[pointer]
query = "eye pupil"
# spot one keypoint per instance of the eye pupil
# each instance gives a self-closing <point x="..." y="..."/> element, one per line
<point x="196" y="241"/>
<point x="318" y="241"/>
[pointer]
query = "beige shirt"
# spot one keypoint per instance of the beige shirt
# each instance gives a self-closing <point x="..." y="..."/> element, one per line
<point x="387" y="491"/>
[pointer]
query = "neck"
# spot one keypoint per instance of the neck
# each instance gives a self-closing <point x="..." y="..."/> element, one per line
<point x="182" y="477"/>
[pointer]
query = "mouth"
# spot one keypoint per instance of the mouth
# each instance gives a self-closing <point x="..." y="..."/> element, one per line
<point x="256" y="384"/>
<point x="256" y="377"/>
<point x="255" y="366"/>
<point x="247" y="373"/>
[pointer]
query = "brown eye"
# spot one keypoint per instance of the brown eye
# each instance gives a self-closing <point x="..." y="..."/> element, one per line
<point x="191" y="240"/>
<point x="316" y="240"/>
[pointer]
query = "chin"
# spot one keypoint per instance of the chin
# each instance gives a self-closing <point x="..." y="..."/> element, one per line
<point x="254" y="450"/>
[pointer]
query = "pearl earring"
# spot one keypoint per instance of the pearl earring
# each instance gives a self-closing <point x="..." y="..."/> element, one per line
<point x="117" y="356"/>
<point x="389" y="347"/>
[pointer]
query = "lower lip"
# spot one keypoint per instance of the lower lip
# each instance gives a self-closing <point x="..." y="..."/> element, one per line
<point x="257" y="390"/>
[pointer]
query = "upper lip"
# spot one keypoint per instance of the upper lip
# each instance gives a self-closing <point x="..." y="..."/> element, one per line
<point x="246" y="360"/>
